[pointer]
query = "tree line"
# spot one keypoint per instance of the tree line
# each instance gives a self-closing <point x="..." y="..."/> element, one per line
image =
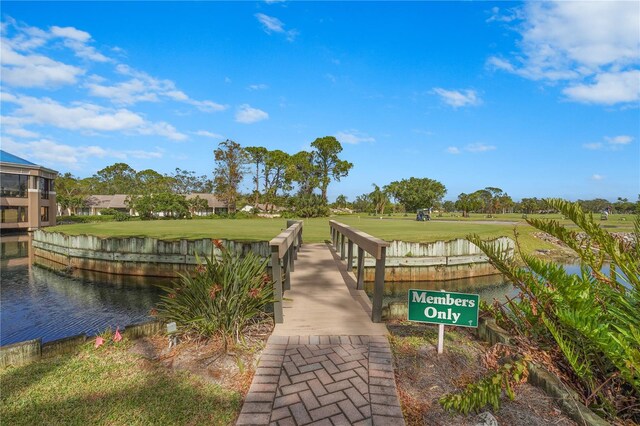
<point x="299" y="181"/>
<point x="409" y="195"/>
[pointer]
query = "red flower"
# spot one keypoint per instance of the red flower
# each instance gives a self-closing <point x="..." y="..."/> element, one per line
<point x="153" y="312"/>
<point x="201" y="269"/>
<point x="218" y="244"/>
<point x="215" y="289"/>
<point x="254" y="293"/>
<point x="172" y="296"/>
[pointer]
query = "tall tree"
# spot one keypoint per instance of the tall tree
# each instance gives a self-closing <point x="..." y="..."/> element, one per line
<point x="118" y="178"/>
<point x="256" y="155"/>
<point x="276" y="179"/>
<point x="417" y="193"/>
<point x="468" y="203"/>
<point x="230" y="160"/>
<point x="302" y="171"/>
<point x="187" y="182"/>
<point x="330" y="167"/>
<point x="341" y="202"/>
<point x="151" y="181"/>
<point x="379" y="198"/>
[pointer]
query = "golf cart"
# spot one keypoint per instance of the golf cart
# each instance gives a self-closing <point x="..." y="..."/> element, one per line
<point x="423" y="215"/>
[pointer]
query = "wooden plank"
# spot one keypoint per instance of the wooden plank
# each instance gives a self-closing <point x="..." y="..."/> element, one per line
<point x="370" y="244"/>
<point x="378" y="288"/>
<point x="360" y="278"/>
<point x="276" y="274"/>
<point x="350" y="256"/>
<point x="286" y="238"/>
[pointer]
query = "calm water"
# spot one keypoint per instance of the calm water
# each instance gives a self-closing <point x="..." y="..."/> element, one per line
<point x="36" y="303"/>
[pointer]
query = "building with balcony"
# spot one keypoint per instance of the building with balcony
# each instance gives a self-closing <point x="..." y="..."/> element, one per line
<point x="27" y="195"/>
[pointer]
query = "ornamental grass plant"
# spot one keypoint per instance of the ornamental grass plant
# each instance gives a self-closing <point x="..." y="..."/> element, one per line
<point x="225" y="295"/>
<point x="586" y="326"/>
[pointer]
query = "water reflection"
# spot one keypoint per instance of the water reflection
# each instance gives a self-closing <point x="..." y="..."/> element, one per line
<point x="38" y="303"/>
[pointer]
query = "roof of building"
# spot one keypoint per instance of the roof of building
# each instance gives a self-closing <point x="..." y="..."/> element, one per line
<point x="118" y="201"/>
<point x="212" y="200"/>
<point x="6" y="157"/>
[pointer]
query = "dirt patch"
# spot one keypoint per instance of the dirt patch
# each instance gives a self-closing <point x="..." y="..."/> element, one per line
<point x="232" y="368"/>
<point x="423" y="376"/>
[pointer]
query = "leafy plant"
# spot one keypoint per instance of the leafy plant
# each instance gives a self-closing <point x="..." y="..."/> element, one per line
<point x="223" y="297"/>
<point x="488" y="390"/>
<point x="591" y="320"/>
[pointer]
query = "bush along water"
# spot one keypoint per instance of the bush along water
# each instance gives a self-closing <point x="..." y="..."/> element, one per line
<point x="225" y="295"/>
<point x="584" y="327"/>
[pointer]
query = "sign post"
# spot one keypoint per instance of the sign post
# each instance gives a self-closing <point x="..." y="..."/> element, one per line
<point x="443" y="307"/>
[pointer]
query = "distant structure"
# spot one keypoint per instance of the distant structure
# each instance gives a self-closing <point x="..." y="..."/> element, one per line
<point x="27" y="195"/>
<point x="94" y="204"/>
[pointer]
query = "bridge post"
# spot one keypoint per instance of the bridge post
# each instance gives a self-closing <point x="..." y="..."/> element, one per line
<point x="276" y="274"/>
<point x="378" y="290"/>
<point x="292" y="257"/>
<point x="342" y="250"/>
<point x="350" y="256"/>
<point x="286" y="261"/>
<point x="296" y="243"/>
<point x="360" y="266"/>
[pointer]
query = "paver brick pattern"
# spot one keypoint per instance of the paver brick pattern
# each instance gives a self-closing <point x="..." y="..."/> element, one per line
<point x="323" y="380"/>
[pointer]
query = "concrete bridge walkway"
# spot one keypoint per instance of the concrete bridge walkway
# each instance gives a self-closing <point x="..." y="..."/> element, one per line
<point x="327" y="364"/>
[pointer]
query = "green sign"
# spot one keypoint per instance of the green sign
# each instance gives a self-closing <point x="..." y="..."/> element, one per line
<point x="440" y="307"/>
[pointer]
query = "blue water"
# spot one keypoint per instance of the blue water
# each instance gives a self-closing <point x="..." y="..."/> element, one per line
<point x="37" y="303"/>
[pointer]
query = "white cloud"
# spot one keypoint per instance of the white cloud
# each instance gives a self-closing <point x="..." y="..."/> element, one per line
<point x="458" y="98"/>
<point x="479" y="147"/>
<point x="613" y="143"/>
<point x="592" y="46"/>
<point x="71" y="33"/>
<point x="608" y="89"/>
<point x="353" y="137"/>
<point x="260" y="86"/>
<point x="33" y="70"/>
<point x="48" y="151"/>
<point x="18" y="132"/>
<point x="208" y="134"/>
<point x="619" y="140"/>
<point x="85" y="117"/>
<point x="247" y="115"/>
<point x="271" y="24"/>
<point x="142" y="87"/>
<point x="593" y="146"/>
<point x="453" y="150"/>
<point x="597" y="177"/>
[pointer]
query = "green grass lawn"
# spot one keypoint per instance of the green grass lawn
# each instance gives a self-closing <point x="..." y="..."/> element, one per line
<point x="396" y="227"/>
<point x="110" y="386"/>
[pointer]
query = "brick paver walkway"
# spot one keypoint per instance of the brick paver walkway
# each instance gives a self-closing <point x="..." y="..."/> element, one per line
<point x="333" y="377"/>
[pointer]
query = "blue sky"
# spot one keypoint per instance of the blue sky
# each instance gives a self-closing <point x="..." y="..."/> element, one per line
<point x="539" y="99"/>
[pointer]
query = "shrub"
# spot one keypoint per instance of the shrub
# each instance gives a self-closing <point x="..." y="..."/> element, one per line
<point x="223" y="297"/>
<point x="121" y="217"/>
<point x="590" y="322"/>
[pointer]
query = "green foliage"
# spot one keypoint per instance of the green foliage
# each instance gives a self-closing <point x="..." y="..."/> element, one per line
<point x="121" y="217"/>
<point x="416" y="193"/>
<point x="148" y="206"/>
<point x="225" y="295"/>
<point x="108" y="212"/>
<point x="325" y="160"/>
<point x="310" y="205"/>
<point x="85" y="219"/>
<point x="230" y="161"/>
<point x="593" y="318"/>
<point x="486" y="391"/>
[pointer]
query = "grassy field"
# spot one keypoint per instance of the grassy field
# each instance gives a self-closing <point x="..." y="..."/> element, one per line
<point x="389" y="228"/>
<point x="110" y="386"/>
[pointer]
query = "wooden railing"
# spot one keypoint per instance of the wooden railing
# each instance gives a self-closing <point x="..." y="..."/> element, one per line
<point x="284" y="250"/>
<point x="366" y="243"/>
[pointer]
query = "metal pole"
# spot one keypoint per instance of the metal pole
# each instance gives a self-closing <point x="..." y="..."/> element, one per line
<point x="276" y="274"/>
<point x="360" y="279"/>
<point x="378" y="290"/>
